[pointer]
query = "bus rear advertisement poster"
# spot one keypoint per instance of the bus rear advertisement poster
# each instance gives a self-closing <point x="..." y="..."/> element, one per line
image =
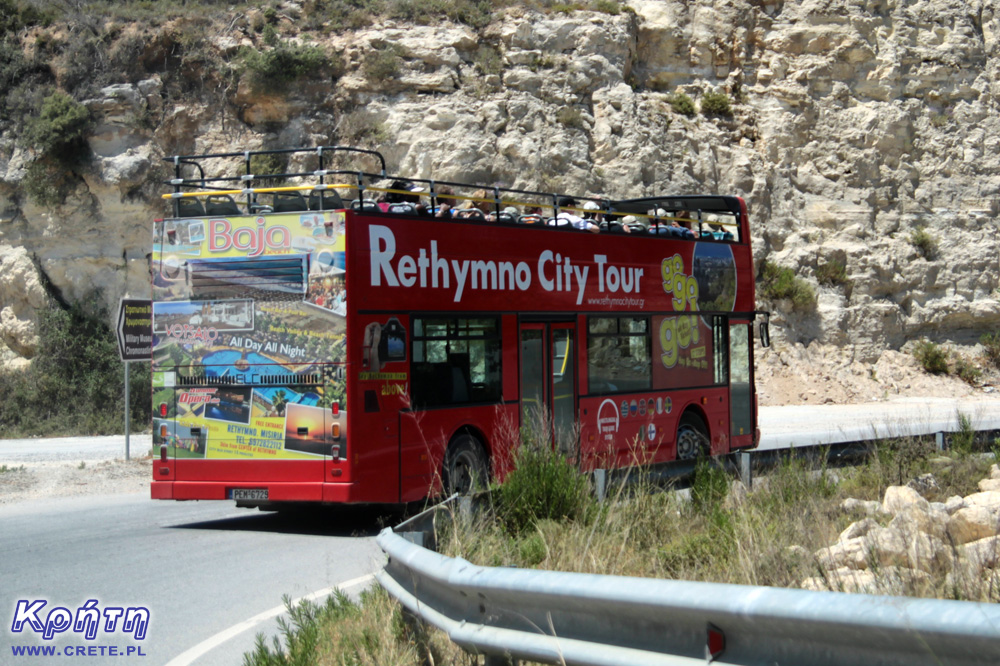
<point x="278" y="355"/>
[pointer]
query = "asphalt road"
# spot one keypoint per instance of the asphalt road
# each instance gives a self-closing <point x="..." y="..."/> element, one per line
<point x="203" y="569"/>
<point x="808" y="425"/>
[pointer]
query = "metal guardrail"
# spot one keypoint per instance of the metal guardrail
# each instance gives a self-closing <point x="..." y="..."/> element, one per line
<point x="587" y="619"/>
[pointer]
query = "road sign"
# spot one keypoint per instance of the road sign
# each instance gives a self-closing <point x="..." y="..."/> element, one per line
<point x="135" y="329"/>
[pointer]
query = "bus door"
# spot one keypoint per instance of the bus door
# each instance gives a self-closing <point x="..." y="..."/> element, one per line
<point x="548" y="380"/>
<point x="740" y="385"/>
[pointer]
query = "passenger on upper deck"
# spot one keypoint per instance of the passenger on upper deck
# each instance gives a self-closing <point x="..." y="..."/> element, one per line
<point x="592" y="211"/>
<point x="635" y="225"/>
<point x="399" y="193"/>
<point x="445" y="202"/>
<point x="508" y="214"/>
<point x="681" y="225"/>
<point x="567" y="218"/>
<point x="532" y="215"/>
<point x="475" y="208"/>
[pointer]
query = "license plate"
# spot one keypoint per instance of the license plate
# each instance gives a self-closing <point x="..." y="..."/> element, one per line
<point x="248" y="493"/>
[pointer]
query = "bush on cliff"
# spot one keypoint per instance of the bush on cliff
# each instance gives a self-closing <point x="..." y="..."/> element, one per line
<point x="75" y="384"/>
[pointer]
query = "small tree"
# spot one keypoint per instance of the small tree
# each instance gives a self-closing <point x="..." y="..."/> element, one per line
<point x="682" y="104"/>
<point x="715" y="104"/>
<point x="59" y="131"/>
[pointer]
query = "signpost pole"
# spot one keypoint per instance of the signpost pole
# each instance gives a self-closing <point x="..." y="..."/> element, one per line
<point x="127" y="425"/>
<point x="135" y="343"/>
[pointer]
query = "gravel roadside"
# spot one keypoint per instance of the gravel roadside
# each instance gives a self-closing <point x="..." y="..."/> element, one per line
<point x="72" y="466"/>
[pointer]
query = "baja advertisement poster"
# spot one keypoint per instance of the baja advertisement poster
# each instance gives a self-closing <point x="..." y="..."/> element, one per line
<point x="249" y="324"/>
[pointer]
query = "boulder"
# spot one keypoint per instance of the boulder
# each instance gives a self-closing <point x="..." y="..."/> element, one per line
<point x="898" y="497"/>
<point x="989" y="499"/>
<point x="917" y="519"/>
<point x="954" y="503"/>
<point x="925" y="484"/>
<point x="858" y="529"/>
<point x="982" y="554"/>
<point x="867" y="507"/>
<point x="971" y="524"/>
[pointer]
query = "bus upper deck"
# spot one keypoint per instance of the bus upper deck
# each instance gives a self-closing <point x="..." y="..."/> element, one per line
<point x="308" y="183"/>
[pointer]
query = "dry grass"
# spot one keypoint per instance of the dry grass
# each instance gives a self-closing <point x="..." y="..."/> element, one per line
<point x="719" y="532"/>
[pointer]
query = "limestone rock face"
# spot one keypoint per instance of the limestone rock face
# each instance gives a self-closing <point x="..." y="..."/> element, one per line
<point x="854" y="125"/>
<point x="21" y="298"/>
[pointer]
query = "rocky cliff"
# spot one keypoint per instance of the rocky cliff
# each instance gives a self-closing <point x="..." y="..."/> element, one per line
<point x="864" y="136"/>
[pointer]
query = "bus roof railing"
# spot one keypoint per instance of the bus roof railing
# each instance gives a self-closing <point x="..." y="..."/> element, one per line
<point x="658" y="210"/>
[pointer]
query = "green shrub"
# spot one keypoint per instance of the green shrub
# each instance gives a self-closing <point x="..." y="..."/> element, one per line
<point x="570" y="117"/>
<point x="931" y="357"/>
<point x="966" y="370"/>
<point x="60" y="128"/>
<point x="474" y="13"/>
<point x="715" y="104"/>
<point x="285" y="62"/>
<point x="682" y="104"/>
<point x="47" y="182"/>
<point x="940" y="120"/>
<point x="709" y="487"/>
<point x="962" y="441"/>
<point x="543" y="485"/>
<point x="75" y="383"/>
<point x="268" y="163"/>
<point x="991" y="347"/>
<point x="488" y="60"/>
<point x="532" y="550"/>
<point x="607" y="6"/>
<point x="832" y="273"/>
<point x="780" y="283"/>
<point x="382" y="63"/>
<point x="361" y="127"/>
<point x="925" y="243"/>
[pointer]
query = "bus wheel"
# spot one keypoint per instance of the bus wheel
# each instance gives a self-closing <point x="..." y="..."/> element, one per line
<point x="692" y="437"/>
<point x="464" y="466"/>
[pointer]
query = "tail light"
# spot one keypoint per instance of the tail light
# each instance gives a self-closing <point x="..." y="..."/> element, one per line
<point x="163" y="453"/>
<point x="163" y="431"/>
<point x="335" y="451"/>
<point x="335" y="408"/>
<point x="335" y="431"/>
<point x="163" y="409"/>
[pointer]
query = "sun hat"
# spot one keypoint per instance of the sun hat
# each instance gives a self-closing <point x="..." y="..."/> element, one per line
<point x="591" y="205"/>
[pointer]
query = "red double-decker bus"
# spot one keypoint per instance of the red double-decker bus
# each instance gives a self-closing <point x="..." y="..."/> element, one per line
<point x="333" y="335"/>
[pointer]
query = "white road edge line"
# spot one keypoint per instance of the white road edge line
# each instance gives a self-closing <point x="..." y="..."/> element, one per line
<point x="190" y="655"/>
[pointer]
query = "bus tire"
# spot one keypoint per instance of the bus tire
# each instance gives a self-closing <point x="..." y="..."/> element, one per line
<point x="464" y="466"/>
<point x="692" y="437"/>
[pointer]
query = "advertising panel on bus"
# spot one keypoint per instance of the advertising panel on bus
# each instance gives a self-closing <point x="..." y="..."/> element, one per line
<point x="249" y="324"/>
<point x="430" y="267"/>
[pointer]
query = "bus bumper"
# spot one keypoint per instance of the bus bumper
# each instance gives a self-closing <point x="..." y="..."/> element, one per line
<point x="341" y="493"/>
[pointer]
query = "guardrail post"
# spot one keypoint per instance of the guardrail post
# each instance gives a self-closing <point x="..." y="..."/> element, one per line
<point x="939" y="440"/>
<point x="744" y="468"/>
<point x="600" y="483"/>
